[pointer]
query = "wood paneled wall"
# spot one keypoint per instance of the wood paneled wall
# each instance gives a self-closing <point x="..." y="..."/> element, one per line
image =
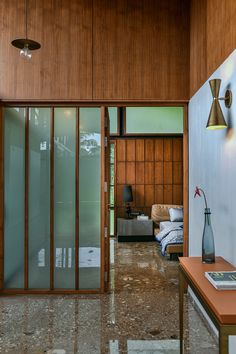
<point x="154" y="168"/>
<point x="96" y="49"/>
<point x="141" y="49"/>
<point x="62" y="68"/>
<point x="212" y="37"/>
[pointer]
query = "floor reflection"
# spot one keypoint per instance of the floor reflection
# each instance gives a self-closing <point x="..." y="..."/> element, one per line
<point x="138" y="315"/>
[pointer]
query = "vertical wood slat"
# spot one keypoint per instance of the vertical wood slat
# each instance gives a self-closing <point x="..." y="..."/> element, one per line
<point x="52" y="200"/>
<point x="139" y="151"/>
<point x="121" y="150"/>
<point x="77" y="201"/>
<point x="26" y="199"/>
<point x="159" y="149"/>
<point x="1" y="198"/>
<point x="168" y="149"/>
<point x="130" y="150"/>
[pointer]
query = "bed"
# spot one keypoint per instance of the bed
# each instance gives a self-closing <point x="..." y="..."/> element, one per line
<point x="169" y="234"/>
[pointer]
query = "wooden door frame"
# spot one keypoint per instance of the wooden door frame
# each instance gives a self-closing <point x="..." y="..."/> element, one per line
<point x="84" y="103"/>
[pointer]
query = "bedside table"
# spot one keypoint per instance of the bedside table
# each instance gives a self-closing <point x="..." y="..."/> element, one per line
<point x="133" y="230"/>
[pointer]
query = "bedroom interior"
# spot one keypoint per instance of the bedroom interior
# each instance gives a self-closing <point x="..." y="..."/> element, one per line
<point x="57" y="222"/>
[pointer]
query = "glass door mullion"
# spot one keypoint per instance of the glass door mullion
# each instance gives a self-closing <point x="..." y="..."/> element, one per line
<point x="26" y="238"/>
<point x="52" y="199"/>
<point x="77" y="201"/>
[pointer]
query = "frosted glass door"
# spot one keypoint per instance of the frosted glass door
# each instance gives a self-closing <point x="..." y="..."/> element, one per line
<point x="39" y="198"/>
<point x="54" y="172"/>
<point x="89" y="198"/>
<point x="64" y="197"/>
<point x="14" y="194"/>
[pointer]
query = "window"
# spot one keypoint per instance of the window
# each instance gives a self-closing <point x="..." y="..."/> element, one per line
<point x="154" y="120"/>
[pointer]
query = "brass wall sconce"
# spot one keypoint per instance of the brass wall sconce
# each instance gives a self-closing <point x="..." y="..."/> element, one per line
<point x="216" y="118"/>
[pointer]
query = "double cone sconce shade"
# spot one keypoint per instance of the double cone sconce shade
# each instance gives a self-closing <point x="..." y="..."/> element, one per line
<point x="216" y="118"/>
<point x="26" y="45"/>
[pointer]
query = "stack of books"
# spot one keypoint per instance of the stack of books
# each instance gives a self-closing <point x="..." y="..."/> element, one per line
<point x="222" y="280"/>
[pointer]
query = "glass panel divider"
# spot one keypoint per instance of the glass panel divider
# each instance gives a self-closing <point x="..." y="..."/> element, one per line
<point x="26" y="252"/>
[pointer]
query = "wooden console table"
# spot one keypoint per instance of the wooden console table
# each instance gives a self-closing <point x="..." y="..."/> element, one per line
<point x="220" y="305"/>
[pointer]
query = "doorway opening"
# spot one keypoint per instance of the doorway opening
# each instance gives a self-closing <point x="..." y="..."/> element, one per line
<point x="148" y="151"/>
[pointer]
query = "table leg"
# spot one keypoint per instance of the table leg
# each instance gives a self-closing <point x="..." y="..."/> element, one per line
<point x="223" y="342"/>
<point x="181" y="310"/>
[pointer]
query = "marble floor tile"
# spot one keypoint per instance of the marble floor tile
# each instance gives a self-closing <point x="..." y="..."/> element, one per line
<point x="139" y="314"/>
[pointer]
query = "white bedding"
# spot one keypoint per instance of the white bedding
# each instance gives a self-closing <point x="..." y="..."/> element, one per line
<point x="167" y="224"/>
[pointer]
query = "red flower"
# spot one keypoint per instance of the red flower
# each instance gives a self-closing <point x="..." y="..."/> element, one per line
<point x="197" y="192"/>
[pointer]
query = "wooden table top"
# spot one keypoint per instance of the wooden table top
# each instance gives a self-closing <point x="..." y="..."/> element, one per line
<point x="222" y="302"/>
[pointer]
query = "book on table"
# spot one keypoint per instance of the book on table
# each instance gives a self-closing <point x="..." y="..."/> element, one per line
<point x="225" y="280"/>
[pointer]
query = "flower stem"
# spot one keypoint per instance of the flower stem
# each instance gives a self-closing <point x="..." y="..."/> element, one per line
<point x="204" y="197"/>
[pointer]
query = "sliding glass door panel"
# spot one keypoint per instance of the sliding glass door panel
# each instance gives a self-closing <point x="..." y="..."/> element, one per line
<point x="14" y="194"/>
<point x="39" y="198"/>
<point x="64" y="197"/>
<point x="89" y="198"/>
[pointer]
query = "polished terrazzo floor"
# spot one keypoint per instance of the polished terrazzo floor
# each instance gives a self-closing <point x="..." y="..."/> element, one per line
<point x="138" y="315"/>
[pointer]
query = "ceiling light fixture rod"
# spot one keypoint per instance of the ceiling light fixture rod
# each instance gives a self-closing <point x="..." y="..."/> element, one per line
<point x="26" y="19"/>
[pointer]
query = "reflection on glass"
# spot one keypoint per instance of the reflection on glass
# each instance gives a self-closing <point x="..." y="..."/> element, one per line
<point x="39" y="198"/>
<point x="113" y="120"/>
<point x="89" y="198"/>
<point x="112" y="175"/>
<point x="112" y="195"/>
<point x="112" y="222"/>
<point x="64" y="197"/>
<point x="112" y="153"/>
<point x="14" y="190"/>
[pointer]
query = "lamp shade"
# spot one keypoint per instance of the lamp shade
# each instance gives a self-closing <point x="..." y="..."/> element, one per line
<point x="216" y="119"/>
<point x="127" y="194"/>
<point x="215" y="87"/>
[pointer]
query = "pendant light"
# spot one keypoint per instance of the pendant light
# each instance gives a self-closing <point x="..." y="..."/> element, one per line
<point x="26" y="45"/>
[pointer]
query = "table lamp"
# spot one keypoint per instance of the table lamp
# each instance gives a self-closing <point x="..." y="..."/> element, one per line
<point x="128" y="198"/>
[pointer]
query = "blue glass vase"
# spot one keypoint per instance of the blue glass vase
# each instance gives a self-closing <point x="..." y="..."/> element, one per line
<point x="208" y="245"/>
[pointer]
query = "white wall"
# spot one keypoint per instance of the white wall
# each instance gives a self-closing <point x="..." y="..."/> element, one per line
<point x="212" y="166"/>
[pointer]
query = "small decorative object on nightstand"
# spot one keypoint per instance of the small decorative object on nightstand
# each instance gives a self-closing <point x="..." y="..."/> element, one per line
<point x="208" y="246"/>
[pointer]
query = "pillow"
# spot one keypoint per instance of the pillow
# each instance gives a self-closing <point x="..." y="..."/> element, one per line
<point x="176" y="214"/>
